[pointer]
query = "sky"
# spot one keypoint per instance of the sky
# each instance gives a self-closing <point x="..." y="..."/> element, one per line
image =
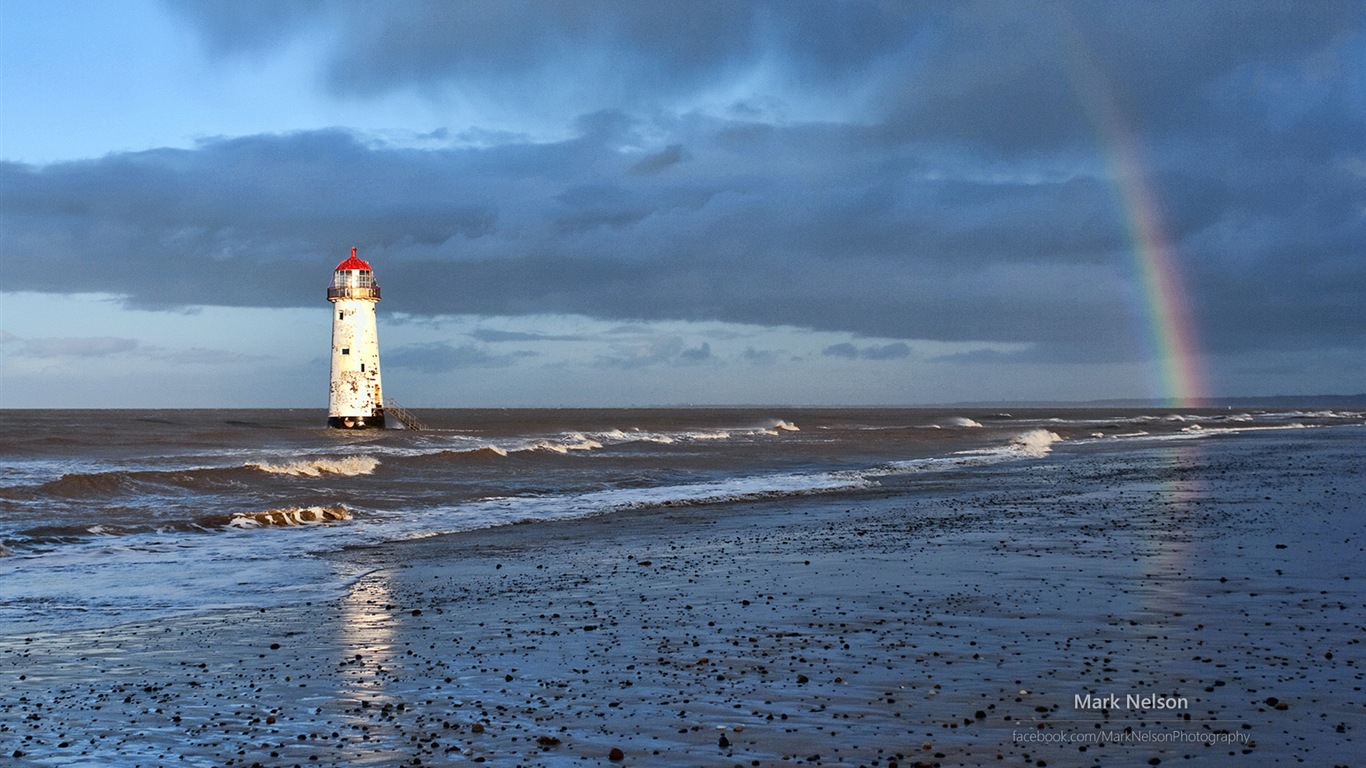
<point x="652" y="202"/>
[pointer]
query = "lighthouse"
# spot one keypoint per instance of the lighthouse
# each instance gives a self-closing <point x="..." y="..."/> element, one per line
<point x="355" y="401"/>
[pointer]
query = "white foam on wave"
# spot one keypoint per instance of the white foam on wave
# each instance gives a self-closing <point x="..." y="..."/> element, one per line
<point x="290" y="516"/>
<point x="962" y="421"/>
<point x="708" y="435"/>
<point x="572" y="442"/>
<point x="1197" y="431"/>
<point x="735" y="489"/>
<point x="561" y="443"/>
<point x="1035" y="442"/>
<point x="633" y="436"/>
<point x="348" y="466"/>
<point x="463" y="448"/>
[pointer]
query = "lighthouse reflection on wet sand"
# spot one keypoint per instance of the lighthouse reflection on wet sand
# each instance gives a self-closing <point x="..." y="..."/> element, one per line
<point x="355" y="400"/>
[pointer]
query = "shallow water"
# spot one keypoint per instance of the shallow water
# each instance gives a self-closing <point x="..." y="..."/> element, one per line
<point x="113" y="516"/>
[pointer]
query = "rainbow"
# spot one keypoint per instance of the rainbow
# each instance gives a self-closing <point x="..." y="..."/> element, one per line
<point x="1171" y="330"/>
<point x="1170" y="336"/>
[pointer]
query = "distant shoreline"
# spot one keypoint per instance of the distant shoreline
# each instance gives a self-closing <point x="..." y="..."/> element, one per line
<point x="1216" y="403"/>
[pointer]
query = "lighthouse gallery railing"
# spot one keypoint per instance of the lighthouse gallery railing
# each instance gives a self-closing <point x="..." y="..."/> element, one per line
<point x="348" y="292"/>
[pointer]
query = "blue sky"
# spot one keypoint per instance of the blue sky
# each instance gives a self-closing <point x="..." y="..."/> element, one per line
<point x="642" y="203"/>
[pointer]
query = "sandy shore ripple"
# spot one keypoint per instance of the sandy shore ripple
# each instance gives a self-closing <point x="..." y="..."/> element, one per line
<point x="949" y="622"/>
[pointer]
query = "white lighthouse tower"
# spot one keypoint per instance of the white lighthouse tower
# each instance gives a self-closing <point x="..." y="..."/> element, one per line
<point x="355" y="401"/>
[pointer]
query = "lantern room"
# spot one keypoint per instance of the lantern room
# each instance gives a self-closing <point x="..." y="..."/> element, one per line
<point x="353" y="279"/>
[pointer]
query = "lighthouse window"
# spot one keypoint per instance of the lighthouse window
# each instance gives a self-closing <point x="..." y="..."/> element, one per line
<point x="362" y="367"/>
<point x="346" y="350"/>
<point x="339" y="315"/>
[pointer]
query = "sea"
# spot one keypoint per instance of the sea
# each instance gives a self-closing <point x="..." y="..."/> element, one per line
<point x="117" y="516"/>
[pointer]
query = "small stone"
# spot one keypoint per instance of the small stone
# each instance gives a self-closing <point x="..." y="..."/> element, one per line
<point x="723" y="742"/>
<point x="616" y="754"/>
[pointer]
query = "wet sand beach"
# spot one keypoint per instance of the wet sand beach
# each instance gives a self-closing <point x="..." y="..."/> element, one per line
<point x="999" y="614"/>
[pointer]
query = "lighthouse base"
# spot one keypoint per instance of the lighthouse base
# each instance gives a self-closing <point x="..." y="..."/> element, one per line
<point x="374" y="421"/>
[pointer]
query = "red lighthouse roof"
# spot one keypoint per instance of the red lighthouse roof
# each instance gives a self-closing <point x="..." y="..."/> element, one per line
<point x="353" y="263"/>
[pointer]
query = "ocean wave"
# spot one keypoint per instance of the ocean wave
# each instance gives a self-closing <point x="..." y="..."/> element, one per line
<point x="482" y="452"/>
<point x="749" y="488"/>
<point x="83" y="485"/>
<point x="1321" y="414"/>
<point x="708" y="435"/>
<point x="290" y="516"/>
<point x="1035" y="442"/>
<point x="573" y="442"/>
<point x="954" y="422"/>
<point x="617" y="436"/>
<point x="634" y="436"/>
<point x="348" y="466"/>
<point x="462" y="445"/>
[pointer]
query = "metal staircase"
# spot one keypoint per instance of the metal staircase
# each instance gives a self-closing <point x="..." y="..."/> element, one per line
<point x="404" y="416"/>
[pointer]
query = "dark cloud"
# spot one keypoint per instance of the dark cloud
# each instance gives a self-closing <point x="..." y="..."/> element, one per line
<point x="494" y="335"/>
<point x="981" y="186"/>
<point x="759" y="356"/>
<point x="646" y="350"/>
<point x="696" y="354"/>
<point x="893" y="351"/>
<point x="844" y="349"/>
<point x="638" y="51"/>
<point x="1002" y="75"/>
<point x="652" y="164"/>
